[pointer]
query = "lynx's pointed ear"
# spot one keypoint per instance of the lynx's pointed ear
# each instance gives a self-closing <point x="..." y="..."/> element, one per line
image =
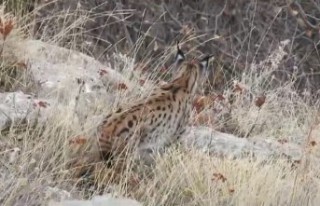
<point x="204" y="64"/>
<point x="179" y="56"/>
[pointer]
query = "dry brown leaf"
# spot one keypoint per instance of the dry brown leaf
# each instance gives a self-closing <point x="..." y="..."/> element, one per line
<point x="219" y="176"/>
<point x="282" y="141"/>
<point x="102" y="72"/>
<point x="295" y="163"/>
<point x="219" y="97"/>
<point x="22" y="65"/>
<point x="313" y="143"/>
<point x="202" y="102"/>
<point x="122" y="86"/>
<point x="239" y="87"/>
<point x="79" y="140"/>
<point x="231" y="190"/>
<point x="198" y="103"/>
<point x="260" y="101"/>
<point x="42" y="104"/>
<point x="163" y="69"/>
<point x="6" y="27"/>
<point x="142" y="82"/>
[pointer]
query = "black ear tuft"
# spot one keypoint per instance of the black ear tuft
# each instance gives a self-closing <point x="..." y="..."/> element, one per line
<point x="204" y="62"/>
<point x="179" y="56"/>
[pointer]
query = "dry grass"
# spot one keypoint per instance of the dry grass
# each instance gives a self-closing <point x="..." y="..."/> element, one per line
<point x="35" y="158"/>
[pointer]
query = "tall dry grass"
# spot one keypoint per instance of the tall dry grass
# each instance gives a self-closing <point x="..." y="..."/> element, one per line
<point x="34" y="158"/>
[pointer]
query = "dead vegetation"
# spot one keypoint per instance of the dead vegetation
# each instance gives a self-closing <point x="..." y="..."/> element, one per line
<point x="236" y="32"/>
<point x="263" y="59"/>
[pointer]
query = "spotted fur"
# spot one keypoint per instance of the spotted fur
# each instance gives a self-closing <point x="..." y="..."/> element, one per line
<point x="157" y="121"/>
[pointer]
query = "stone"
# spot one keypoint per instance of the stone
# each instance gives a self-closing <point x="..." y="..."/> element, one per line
<point x="105" y="200"/>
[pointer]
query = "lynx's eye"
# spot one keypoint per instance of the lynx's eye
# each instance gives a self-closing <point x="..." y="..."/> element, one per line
<point x="179" y="56"/>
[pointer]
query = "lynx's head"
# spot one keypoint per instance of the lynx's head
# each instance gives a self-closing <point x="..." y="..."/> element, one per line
<point x="190" y="72"/>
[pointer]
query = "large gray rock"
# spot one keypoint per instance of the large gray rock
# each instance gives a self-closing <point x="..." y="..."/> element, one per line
<point x="17" y="107"/>
<point x="228" y="145"/>
<point x="98" y="201"/>
<point x="60" y="78"/>
<point x="61" y="71"/>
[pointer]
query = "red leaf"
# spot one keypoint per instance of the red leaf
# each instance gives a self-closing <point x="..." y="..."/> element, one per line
<point x="122" y="86"/>
<point x="231" y="190"/>
<point x="163" y="69"/>
<point x="6" y="27"/>
<point x="260" y="101"/>
<point x="295" y="163"/>
<point x="42" y="104"/>
<point x="102" y="72"/>
<point x="220" y="97"/>
<point x="219" y="176"/>
<point x="313" y="143"/>
<point x="202" y="102"/>
<point x="237" y="88"/>
<point x="79" y="140"/>
<point x="142" y="82"/>
<point x="282" y="141"/>
<point x="198" y="104"/>
<point x="22" y="65"/>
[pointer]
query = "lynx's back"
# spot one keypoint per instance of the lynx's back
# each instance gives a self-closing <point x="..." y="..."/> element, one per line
<point x="157" y="121"/>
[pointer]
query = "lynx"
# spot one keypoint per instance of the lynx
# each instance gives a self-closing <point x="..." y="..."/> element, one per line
<point x="157" y="121"/>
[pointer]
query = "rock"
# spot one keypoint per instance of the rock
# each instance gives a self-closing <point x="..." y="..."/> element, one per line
<point x="98" y="201"/>
<point x="16" y="107"/>
<point x="228" y="145"/>
<point x="57" y="69"/>
<point x="57" y="194"/>
<point x="60" y="78"/>
<point x="38" y="195"/>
